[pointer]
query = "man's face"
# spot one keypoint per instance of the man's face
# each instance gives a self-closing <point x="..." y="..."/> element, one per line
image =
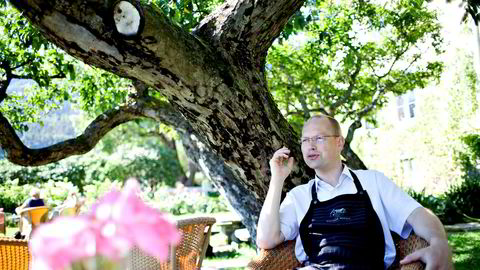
<point x="320" y="154"/>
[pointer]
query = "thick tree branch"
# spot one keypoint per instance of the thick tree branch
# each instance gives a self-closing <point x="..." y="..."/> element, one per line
<point x="26" y="77"/>
<point x="18" y="153"/>
<point x="247" y="28"/>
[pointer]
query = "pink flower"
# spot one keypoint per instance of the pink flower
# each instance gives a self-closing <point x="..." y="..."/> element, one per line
<point x="55" y="245"/>
<point x="115" y="223"/>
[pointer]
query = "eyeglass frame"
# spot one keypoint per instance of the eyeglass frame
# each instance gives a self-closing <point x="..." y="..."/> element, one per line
<point x="319" y="139"/>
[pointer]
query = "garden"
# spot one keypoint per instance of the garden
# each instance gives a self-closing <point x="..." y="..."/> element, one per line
<point x="168" y="111"/>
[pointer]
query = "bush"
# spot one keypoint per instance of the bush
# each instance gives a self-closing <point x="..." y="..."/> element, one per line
<point x="185" y="201"/>
<point x="13" y="195"/>
<point x="461" y="202"/>
<point x="466" y="195"/>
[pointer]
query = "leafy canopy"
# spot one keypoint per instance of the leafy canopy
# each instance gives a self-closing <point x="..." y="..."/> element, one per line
<point x="352" y="55"/>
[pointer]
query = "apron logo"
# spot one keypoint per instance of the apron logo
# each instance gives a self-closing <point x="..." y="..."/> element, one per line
<point x="338" y="214"/>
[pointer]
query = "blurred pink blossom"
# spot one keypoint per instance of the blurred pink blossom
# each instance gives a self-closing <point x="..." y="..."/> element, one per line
<point x="115" y="223"/>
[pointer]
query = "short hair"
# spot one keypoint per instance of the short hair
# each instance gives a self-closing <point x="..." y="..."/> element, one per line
<point x="333" y="122"/>
<point x="34" y="192"/>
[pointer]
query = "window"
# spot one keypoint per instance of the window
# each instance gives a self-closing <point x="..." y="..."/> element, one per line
<point x="406" y="106"/>
<point x="411" y="104"/>
<point x="400" y="112"/>
<point x="407" y="169"/>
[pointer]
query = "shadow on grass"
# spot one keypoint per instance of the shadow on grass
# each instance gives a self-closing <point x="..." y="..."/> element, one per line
<point x="225" y="255"/>
<point x="466" y="249"/>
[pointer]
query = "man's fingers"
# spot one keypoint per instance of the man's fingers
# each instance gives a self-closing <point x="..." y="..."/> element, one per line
<point x="281" y="154"/>
<point x="415" y="256"/>
<point x="290" y="162"/>
<point x="283" y="150"/>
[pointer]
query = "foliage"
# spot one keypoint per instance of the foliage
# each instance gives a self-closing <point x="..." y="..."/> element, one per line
<point x="185" y="201"/>
<point x="186" y="13"/>
<point x="461" y="202"/>
<point x="13" y="195"/>
<point x="354" y="54"/>
<point x="24" y="53"/>
<point x="470" y="159"/>
<point x="173" y="201"/>
<point x="466" y="195"/>
<point x="441" y="205"/>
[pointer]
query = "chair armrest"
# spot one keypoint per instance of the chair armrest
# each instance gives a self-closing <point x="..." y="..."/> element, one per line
<point x="280" y="257"/>
<point x="405" y="247"/>
<point x="283" y="256"/>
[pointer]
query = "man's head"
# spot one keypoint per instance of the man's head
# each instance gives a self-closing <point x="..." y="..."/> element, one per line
<point x="35" y="192"/>
<point x="72" y="193"/>
<point x="322" y="142"/>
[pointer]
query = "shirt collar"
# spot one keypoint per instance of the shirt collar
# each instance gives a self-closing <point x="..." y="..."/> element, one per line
<point x="344" y="175"/>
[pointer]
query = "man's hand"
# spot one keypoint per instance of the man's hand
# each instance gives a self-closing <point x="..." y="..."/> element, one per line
<point x="281" y="164"/>
<point x="436" y="256"/>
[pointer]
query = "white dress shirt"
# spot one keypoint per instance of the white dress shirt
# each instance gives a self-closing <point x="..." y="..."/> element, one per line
<point x="392" y="205"/>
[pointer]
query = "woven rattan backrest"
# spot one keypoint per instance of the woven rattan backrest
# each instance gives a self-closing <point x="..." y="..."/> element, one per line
<point x="188" y="254"/>
<point x="14" y="254"/>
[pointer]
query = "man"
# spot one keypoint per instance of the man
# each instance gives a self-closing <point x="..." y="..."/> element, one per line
<point x="33" y="201"/>
<point x="342" y="219"/>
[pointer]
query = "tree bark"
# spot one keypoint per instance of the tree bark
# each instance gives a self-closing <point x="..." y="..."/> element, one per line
<point x="213" y="77"/>
<point x="351" y="158"/>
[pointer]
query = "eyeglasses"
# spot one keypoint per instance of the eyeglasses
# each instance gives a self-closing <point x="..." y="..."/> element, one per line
<point x="316" y="139"/>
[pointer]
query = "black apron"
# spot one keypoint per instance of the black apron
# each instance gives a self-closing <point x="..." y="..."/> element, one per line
<point x="343" y="232"/>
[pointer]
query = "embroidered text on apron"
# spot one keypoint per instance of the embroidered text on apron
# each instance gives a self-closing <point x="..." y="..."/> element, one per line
<point x="343" y="232"/>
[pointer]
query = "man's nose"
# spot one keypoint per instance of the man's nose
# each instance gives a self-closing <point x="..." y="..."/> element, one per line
<point x="312" y="144"/>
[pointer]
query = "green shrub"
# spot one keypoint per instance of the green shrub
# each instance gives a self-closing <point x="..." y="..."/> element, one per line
<point x="13" y="195"/>
<point x="182" y="202"/>
<point x="461" y="202"/>
<point x="465" y="196"/>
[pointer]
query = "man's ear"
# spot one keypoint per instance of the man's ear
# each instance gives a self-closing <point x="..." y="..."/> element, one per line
<point x="340" y="142"/>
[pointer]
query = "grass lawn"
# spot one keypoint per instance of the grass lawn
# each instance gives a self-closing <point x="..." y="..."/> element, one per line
<point x="466" y="249"/>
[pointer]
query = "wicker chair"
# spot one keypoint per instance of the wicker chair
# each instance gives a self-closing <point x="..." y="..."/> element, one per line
<point x="2" y="222"/>
<point x="14" y="254"/>
<point x="35" y="216"/>
<point x="283" y="257"/>
<point x="70" y="211"/>
<point x="188" y="254"/>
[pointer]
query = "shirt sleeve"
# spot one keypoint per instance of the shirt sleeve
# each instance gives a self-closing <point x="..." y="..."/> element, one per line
<point x="288" y="218"/>
<point x="397" y="203"/>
